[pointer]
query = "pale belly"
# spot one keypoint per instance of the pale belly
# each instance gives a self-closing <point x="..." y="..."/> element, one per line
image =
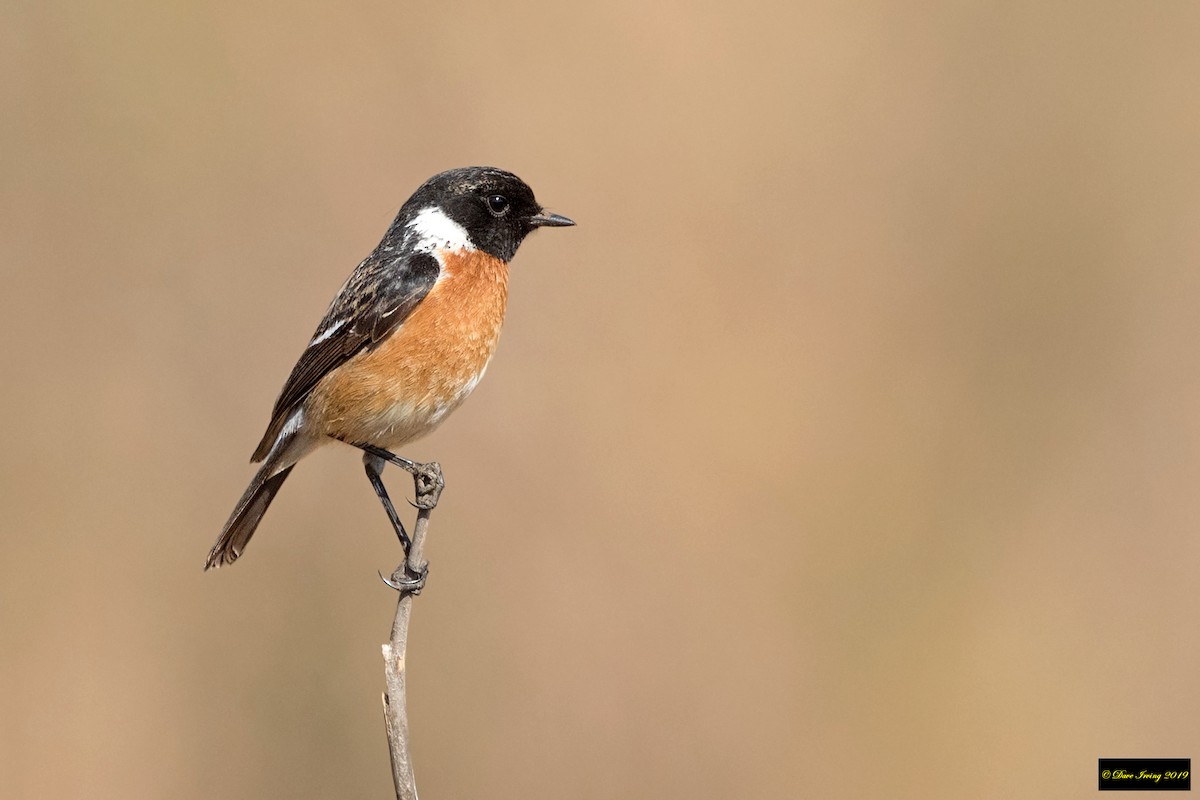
<point x="399" y="415"/>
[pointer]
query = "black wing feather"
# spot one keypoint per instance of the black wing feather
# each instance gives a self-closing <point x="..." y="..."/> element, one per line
<point x="378" y="297"/>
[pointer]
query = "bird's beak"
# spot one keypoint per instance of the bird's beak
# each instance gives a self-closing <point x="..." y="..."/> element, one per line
<point x="544" y="220"/>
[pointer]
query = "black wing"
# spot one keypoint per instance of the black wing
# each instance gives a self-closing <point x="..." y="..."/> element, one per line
<point x="378" y="297"/>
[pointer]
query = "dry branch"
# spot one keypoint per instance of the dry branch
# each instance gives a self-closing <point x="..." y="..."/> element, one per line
<point x="408" y="579"/>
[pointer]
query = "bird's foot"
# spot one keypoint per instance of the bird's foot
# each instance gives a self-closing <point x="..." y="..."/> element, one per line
<point x="403" y="579"/>
<point x="428" y="484"/>
<point x="427" y="478"/>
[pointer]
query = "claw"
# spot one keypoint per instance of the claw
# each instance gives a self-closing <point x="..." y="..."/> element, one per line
<point x="403" y="581"/>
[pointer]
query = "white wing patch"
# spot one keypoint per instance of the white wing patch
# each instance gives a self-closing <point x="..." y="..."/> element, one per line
<point x="330" y="331"/>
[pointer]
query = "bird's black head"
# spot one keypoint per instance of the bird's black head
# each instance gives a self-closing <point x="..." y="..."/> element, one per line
<point x="494" y="208"/>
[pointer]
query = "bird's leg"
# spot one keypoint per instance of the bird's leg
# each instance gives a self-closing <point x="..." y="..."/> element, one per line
<point x="374" y="467"/>
<point x="404" y="578"/>
<point x="428" y="482"/>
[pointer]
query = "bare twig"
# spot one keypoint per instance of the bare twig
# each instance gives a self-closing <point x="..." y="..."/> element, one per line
<point x="408" y="578"/>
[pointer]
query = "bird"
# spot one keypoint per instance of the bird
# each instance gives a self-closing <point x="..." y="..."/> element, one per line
<point x="404" y="342"/>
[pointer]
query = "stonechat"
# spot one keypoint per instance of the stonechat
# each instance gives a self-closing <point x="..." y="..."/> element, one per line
<point x="404" y="342"/>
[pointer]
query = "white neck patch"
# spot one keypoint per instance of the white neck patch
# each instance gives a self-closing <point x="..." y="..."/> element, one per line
<point x="438" y="232"/>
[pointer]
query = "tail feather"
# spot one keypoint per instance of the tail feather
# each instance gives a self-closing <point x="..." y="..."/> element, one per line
<point x="246" y="516"/>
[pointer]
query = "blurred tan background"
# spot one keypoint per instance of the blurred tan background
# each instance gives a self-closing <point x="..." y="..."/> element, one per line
<point x="849" y="446"/>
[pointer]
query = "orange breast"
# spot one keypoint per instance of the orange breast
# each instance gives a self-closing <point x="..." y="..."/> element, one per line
<point x="404" y="387"/>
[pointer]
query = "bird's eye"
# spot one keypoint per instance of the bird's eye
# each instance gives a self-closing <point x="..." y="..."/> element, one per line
<point x="498" y="204"/>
